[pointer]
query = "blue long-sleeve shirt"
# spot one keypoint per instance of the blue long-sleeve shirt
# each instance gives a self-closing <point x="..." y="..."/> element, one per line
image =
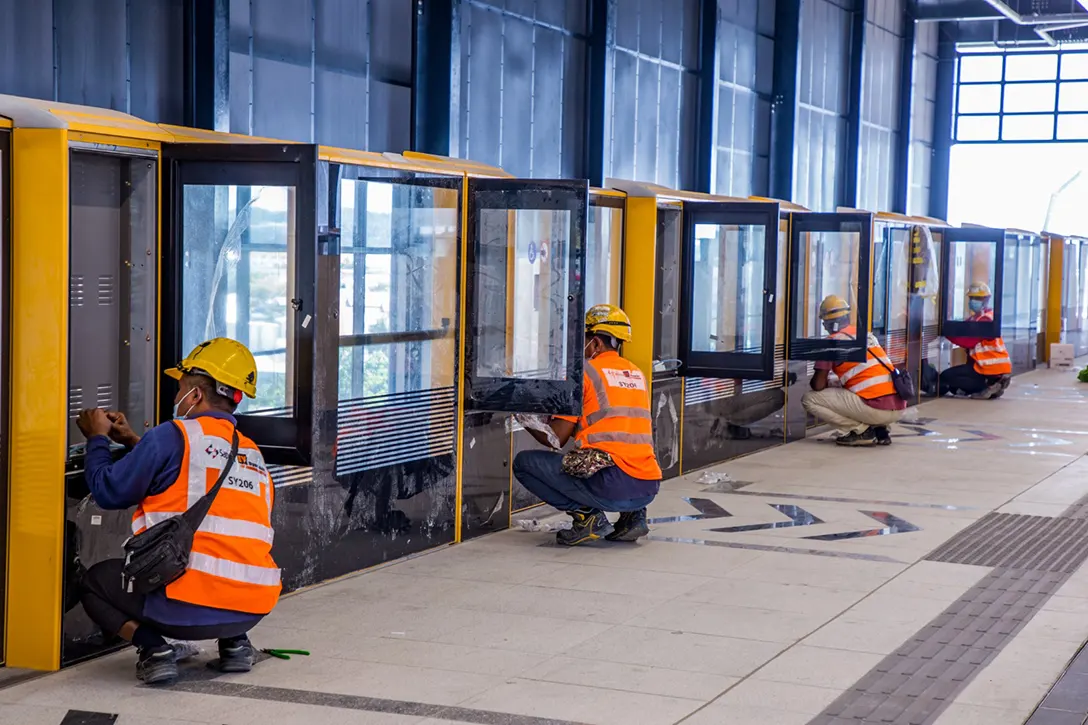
<point x="149" y="468"/>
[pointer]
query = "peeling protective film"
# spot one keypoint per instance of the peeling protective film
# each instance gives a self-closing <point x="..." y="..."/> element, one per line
<point x="972" y="276"/>
<point x="238" y="279"/>
<point x="604" y="255"/>
<point x="729" y="269"/>
<point x="667" y="292"/>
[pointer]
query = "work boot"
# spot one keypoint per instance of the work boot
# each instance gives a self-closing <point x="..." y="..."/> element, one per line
<point x="990" y="392"/>
<point x="157" y="665"/>
<point x="631" y="526"/>
<point x="883" y="435"/>
<point x="856" y="440"/>
<point x="588" y="525"/>
<point x="236" y="655"/>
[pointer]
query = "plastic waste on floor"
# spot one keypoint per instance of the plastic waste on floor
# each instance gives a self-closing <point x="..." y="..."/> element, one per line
<point x="553" y="524"/>
<point x="711" y="478"/>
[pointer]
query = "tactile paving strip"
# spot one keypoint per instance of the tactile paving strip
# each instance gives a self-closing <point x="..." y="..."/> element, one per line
<point x="913" y="685"/>
<point x="1016" y="541"/>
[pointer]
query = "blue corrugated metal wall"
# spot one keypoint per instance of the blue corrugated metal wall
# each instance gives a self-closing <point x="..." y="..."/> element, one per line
<point x="119" y="54"/>
<point x="340" y="72"/>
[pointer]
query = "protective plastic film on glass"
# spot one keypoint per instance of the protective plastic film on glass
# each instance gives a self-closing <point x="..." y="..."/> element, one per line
<point x="604" y="253"/>
<point x="972" y="282"/>
<point x="239" y="281"/>
<point x="526" y="299"/>
<point x="830" y="287"/>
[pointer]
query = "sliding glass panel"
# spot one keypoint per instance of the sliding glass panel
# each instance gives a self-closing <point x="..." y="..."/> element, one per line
<point x="972" y="282"/>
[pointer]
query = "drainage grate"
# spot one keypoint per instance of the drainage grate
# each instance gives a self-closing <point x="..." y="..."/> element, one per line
<point x="1017" y="541"/>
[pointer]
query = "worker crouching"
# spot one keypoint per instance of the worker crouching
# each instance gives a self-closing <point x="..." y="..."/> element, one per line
<point x="866" y="404"/>
<point x="612" y="466"/>
<point x="987" y="373"/>
<point x="197" y="462"/>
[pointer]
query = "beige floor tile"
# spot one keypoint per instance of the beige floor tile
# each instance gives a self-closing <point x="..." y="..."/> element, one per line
<point x="1008" y="686"/>
<point x="583" y="704"/>
<point x="896" y="608"/>
<point x="746" y="715"/>
<point x="628" y="582"/>
<point x="1060" y="626"/>
<point x="569" y="604"/>
<point x="632" y="678"/>
<point x="537" y="635"/>
<point x="959" y="713"/>
<point x="784" y="696"/>
<point x="819" y="667"/>
<point x="1071" y="605"/>
<point x="824" y="572"/>
<point x="724" y="620"/>
<point x="679" y="651"/>
<point x="34" y="715"/>
<point x="1032" y="508"/>
<point x="776" y="596"/>
<point x="939" y="572"/>
<point x="862" y="635"/>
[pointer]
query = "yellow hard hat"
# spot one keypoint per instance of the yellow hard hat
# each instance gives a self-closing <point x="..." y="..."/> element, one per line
<point x="225" y="361"/>
<point x="979" y="289"/>
<point x="609" y="320"/>
<point x="833" y="308"/>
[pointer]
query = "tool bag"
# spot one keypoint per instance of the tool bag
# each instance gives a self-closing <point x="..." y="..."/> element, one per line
<point x="902" y="382"/>
<point x="160" y="555"/>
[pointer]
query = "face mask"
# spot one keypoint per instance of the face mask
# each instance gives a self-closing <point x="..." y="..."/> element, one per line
<point x="177" y="404"/>
<point x="586" y="353"/>
<point x="976" y="305"/>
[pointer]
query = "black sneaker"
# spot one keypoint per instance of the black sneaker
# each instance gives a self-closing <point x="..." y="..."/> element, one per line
<point x="236" y="655"/>
<point x="588" y="525"/>
<point x="631" y="526"/>
<point x="855" y="440"/>
<point x="157" y="665"/>
<point x="883" y="435"/>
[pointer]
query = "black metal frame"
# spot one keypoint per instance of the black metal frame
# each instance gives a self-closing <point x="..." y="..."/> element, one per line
<point x="613" y="202"/>
<point x="521" y="395"/>
<point x="975" y="235"/>
<point x="282" y="440"/>
<point x="803" y="348"/>
<point x="884" y="303"/>
<point x="750" y="366"/>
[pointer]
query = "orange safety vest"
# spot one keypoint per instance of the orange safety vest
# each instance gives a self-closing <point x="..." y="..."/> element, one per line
<point x="991" y="358"/>
<point x="231" y="564"/>
<point x="616" y="415"/>
<point x="869" y="379"/>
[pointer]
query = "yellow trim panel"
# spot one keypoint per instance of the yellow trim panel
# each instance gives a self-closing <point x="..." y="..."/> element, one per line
<point x="39" y="374"/>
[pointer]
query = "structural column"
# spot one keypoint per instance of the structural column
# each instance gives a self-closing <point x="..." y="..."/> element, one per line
<point x="784" y="105"/>
<point x="852" y="156"/>
<point x="207" y="64"/>
<point x="942" y="128"/>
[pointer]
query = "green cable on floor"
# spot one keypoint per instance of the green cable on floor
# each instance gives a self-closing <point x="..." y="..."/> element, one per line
<point x="285" y="654"/>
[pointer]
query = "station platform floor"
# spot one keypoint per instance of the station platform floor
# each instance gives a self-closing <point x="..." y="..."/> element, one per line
<point x="941" y="580"/>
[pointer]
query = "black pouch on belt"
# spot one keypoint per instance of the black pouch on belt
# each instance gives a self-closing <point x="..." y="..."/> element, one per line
<point x="159" y="555"/>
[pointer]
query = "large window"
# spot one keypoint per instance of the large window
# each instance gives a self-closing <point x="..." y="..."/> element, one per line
<point x="1022" y="96"/>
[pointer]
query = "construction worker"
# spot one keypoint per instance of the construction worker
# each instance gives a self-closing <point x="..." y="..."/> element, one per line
<point x="988" y="371"/>
<point x="614" y="449"/>
<point x="231" y="581"/>
<point x="866" y="404"/>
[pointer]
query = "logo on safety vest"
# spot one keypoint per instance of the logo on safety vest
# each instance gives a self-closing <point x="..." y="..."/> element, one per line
<point x="626" y="379"/>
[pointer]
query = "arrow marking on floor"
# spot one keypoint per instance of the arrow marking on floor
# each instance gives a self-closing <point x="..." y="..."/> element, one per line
<point x="707" y="510"/>
<point x="892" y="525"/>
<point x="797" y="517"/>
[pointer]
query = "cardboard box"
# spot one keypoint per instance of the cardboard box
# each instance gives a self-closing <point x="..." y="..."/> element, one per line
<point x="1061" y="356"/>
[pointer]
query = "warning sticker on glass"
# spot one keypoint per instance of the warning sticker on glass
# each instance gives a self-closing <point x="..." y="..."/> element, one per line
<point x="627" y="379"/>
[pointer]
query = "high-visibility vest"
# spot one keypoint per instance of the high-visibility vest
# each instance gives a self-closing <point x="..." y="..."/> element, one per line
<point x="990" y="357"/>
<point x="231" y="564"/>
<point x="869" y="379"/>
<point x="616" y="415"/>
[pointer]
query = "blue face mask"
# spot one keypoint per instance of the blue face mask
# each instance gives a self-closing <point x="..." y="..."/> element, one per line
<point x="976" y="305"/>
<point x="178" y="404"/>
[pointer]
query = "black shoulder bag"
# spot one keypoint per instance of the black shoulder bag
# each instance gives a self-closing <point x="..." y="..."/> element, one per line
<point x="902" y="382"/>
<point x="160" y="555"/>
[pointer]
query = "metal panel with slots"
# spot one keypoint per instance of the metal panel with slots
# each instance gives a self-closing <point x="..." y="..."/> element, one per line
<point x="829" y="257"/>
<point x="111" y="330"/>
<point x="727" y="302"/>
<point x="972" y="257"/>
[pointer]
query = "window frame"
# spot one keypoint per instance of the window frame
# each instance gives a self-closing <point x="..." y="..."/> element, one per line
<point x="525" y="395"/>
<point x="739" y="365"/>
<point x="973" y="235"/>
<point x="282" y="440"/>
<point x="855" y="350"/>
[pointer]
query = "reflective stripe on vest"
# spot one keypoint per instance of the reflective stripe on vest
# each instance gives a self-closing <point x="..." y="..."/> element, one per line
<point x="230" y="566"/>
<point x="991" y="357"/>
<point x="616" y="415"/>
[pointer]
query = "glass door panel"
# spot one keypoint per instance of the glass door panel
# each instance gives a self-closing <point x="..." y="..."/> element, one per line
<point x="829" y="286"/>
<point x="727" y="312"/>
<point x="240" y="239"/>
<point x="972" y="282"/>
<point x="526" y="266"/>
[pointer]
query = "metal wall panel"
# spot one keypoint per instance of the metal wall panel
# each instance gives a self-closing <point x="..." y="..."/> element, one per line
<point x="653" y="111"/>
<point x="745" y="67"/>
<point x="822" y="104"/>
<point x="115" y="54"/>
<point x="316" y="71"/>
<point x="880" y="103"/>
<point x="923" y="109"/>
<point x="523" y="85"/>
